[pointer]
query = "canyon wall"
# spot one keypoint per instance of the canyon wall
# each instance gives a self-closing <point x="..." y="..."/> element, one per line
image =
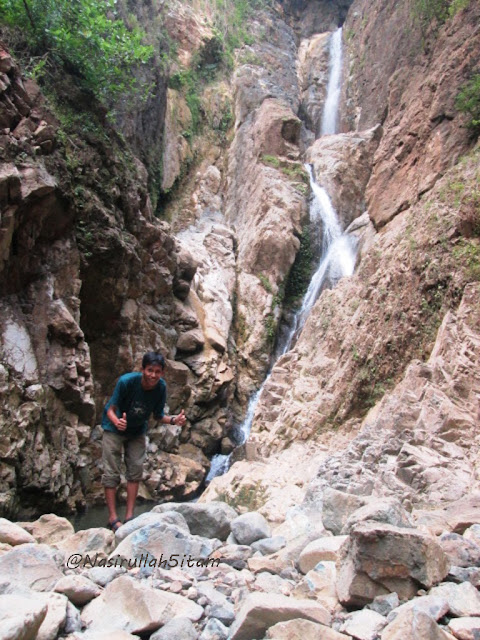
<point x="389" y="330"/>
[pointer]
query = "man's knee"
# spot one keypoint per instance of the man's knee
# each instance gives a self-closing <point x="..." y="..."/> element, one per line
<point x="110" y="481"/>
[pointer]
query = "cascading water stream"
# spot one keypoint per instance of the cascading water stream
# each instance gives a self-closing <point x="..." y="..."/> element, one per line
<point x="337" y="256"/>
<point x="330" y="109"/>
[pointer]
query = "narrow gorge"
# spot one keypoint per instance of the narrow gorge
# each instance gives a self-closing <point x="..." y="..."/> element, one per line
<point x="287" y="206"/>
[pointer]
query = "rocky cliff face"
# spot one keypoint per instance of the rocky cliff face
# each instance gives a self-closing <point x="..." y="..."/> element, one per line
<point x="401" y="142"/>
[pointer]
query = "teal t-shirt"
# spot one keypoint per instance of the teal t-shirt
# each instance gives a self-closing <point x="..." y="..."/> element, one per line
<point x="131" y="398"/>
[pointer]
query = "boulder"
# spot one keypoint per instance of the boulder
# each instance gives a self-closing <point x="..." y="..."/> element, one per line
<point x="148" y="518"/>
<point x="176" y="629"/>
<point x="214" y="630"/>
<point x="49" y="528"/>
<point x="97" y="542"/>
<point x="260" y="611"/>
<point x="319" y="584"/>
<point x="388" y="510"/>
<point x="321" y="550"/>
<point x="12" y="534"/>
<point x="78" y="589"/>
<point x="168" y="544"/>
<point x="364" y="625"/>
<point x="414" y="625"/>
<point x="131" y="606"/>
<point x="250" y="527"/>
<point x="300" y="629"/>
<point x="467" y="628"/>
<point x="463" y="599"/>
<point x="434" y="606"/>
<point x="381" y="558"/>
<point x="235" y="555"/>
<point x="30" y="566"/>
<point x="385" y="604"/>
<point x="460" y="551"/>
<point x="338" y="507"/>
<point x="212" y="520"/>
<point x="20" y="617"/>
<point x="56" y="615"/>
<point x="266" y="546"/>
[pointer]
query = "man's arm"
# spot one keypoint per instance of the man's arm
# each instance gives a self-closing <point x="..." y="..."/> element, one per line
<point x="179" y="419"/>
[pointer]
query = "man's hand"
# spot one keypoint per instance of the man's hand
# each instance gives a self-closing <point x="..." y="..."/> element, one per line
<point x="122" y="423"/>
<point x="181" y="418"/>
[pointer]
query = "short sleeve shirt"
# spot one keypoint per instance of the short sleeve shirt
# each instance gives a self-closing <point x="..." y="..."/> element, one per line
<point x="131" y="398"/>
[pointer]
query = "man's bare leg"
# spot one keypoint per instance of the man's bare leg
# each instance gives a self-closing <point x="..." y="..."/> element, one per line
<point x="110" y="499"/>
<point x="132" y="491"/>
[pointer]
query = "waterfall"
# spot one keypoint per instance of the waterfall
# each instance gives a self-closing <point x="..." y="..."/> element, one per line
<point x="330" y="109"/>
<point x="337" y="256"/>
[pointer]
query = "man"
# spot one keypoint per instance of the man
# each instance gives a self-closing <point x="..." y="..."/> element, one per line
<point x="136" y="397"/>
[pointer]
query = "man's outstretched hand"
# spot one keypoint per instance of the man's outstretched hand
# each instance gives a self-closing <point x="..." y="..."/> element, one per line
<point x="181" y="418"/>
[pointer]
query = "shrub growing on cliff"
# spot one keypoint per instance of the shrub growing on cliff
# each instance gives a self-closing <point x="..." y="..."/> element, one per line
<point x="468" y="101"/>
<point x="87" y="36"/>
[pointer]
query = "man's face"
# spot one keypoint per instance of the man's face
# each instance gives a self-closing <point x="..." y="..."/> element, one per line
<point x="151" y="375"/>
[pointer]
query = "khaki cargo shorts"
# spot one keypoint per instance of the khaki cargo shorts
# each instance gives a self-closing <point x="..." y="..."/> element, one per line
<point x="132" y="449"/>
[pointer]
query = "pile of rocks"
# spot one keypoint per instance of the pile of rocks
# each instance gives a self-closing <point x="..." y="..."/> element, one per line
<point x="187" y="570"/>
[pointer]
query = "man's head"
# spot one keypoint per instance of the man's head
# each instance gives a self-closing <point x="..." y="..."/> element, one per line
<point x="153" y="366"/>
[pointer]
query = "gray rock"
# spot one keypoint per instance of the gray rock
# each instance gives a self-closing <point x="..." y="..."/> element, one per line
<point x="214" y="630"/>
<point x="380" y="558"/>
<point x="414" y="625"/>
<point x="132" y="606"/>
<point x="388" y="510"/>
<point x="235" y="555"/>
<point x="460" y="551"/>
<point x="259" y="611"/>
<point x="364" y="625"/>
<point x="434" y="606"/>
<point x="73" y="622"/>
<point x="149" y="518"/>
<point x="338" y="507"/>
<point x="463" y="599"/>
<point x="467" y="628"/>
<point x="211" y="520"/>
<point x="269" y="545"/>
<point x="103" y="575"/>
<point x="30" y="565"/>
<point x="250" y="527"/>
<point x="176" y="629"/>
<point x="225" y="613"/>
<point x="385" y="604"/>
<point x="20" y="617"/>
<point x="462" y="574"/>
<point x="168" y="544"/>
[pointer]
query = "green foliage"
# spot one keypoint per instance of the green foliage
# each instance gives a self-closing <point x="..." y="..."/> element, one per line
<point x="436" y="12"/>
<point x="456" y="6"/>
<point x="272" y="161"/>
<point x="301" y="271"/>
<point x="428" y="11"/>
<point x="468" y="101"/>
<point x="265" y="283"/>
<point x="87" y="36"/>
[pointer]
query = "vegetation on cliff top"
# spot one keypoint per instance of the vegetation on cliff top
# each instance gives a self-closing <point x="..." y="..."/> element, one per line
<point x="86" y="36"/>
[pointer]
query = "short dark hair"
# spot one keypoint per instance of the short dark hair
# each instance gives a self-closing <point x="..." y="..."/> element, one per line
<point x="153" y="358"/>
